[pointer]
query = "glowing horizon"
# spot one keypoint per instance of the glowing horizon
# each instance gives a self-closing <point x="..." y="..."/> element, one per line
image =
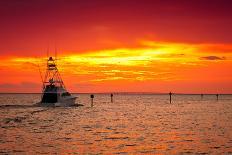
<point x="165" y="66"/>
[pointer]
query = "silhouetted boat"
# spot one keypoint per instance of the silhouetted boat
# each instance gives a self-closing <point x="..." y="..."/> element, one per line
<point x="54" y="92"/>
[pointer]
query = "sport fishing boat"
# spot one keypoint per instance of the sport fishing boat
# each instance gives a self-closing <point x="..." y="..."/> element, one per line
<point x="54" y="92"/>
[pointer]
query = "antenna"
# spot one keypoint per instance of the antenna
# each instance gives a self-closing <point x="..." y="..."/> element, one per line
<point x="55" y="53"/>
<point x="56" y="59"/>
<point x="41" y="77"/>
<point x="48" y="51"/>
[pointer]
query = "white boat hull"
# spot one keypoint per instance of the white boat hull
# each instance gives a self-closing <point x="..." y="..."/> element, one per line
<point x="66" y="101"/>
<point x="62" y="102"/>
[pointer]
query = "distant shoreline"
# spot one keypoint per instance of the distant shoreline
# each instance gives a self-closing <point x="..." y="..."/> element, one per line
<point x="129" y="93"/>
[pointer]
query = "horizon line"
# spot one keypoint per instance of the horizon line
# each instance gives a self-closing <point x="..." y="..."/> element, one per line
<point x="145" y="93"/>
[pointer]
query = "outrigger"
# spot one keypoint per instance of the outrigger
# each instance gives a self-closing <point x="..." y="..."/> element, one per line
<point x="54" y="92"/>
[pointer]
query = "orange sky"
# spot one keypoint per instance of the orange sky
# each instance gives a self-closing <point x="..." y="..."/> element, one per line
<point x="118" y="46"/>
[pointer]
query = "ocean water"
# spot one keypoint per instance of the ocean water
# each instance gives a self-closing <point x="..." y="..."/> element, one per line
<point x="132" y="124"/>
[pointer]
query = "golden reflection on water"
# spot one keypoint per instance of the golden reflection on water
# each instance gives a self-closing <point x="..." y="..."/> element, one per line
<point x="133" y="124"/>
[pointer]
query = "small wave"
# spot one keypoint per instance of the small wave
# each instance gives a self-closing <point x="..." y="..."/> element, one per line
<point x="16" y="119"/>
<point x="17" y="106"/>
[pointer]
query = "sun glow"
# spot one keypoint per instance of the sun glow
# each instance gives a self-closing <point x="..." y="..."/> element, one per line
<point x="131" y="56"/>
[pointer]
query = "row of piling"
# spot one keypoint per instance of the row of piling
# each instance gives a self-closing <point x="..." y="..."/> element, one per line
<point x="170" y="97"/>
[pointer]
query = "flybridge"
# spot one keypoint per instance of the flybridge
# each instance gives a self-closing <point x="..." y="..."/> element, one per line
<point x="52" y="75"/>
<point x="51" y="64"/>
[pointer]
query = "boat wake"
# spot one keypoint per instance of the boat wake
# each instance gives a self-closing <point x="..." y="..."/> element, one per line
<point x="33" y="106"/>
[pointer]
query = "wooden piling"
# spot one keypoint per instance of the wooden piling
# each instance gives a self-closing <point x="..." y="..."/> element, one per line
<point x="201" y="96"/>
<point x="170" y="95"/>
<point x="91" y="96"/>
<point x="111" y="96"/>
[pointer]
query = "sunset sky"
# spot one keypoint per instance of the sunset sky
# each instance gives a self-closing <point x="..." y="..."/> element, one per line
<point x="183" y="46"/>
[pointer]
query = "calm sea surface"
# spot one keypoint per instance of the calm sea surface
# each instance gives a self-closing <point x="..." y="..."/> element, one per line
<point x="132" y="124"/>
